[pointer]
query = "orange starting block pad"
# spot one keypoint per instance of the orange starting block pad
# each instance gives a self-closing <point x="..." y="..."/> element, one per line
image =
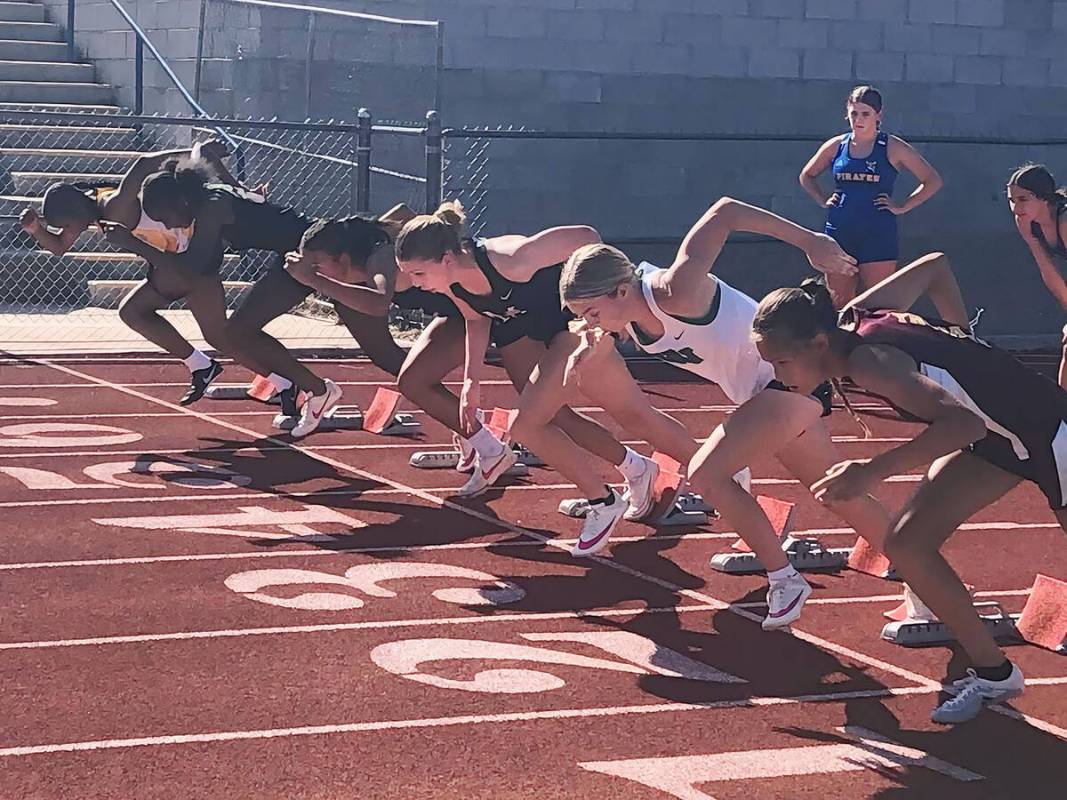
<point x="864" y="558"/>
<point x="381" y="417"/>
<point x="1043" y="621"/>
<point x="673" y="506"/>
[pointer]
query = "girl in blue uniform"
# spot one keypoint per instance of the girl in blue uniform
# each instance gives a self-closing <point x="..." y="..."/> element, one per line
<point x="991" y="423"/>
<point x="1038" y="208"/>
<point x="861" y="213"/>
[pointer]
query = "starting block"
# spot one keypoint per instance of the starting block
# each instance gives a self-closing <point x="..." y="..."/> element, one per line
<point x="381" y="418"/>
<point x="803" y="554"/>
<point x="1043" y="621"/>
<point x="673" y="506"/>
<point x="448" y="459"/>
<point x="259" y="389"/>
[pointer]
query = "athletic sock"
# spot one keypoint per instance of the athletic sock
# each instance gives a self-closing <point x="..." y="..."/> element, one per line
<point x="999" y="673"/>
<point x="632" y="467"/>
<point x="278" y="382"/>
<point x="197" y="361"/>
<point x="485" y="444"/>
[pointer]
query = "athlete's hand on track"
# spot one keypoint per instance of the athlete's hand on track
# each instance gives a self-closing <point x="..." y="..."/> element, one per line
<point x="885" y="202"/>
<point x="469" y="403"/>
<point x="846" y="480"/>
<point x="300" y="268"/>
<point x="30" y="220"/>
<point x="826" y="255"/>
<point x="118" y="234"/>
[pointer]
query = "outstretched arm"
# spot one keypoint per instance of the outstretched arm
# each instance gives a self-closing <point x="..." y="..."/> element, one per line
<point x="55" y="243"/>
<point x="705" y="240"/>
<point x="519" y="258"/>
<point x="372" y="297"/>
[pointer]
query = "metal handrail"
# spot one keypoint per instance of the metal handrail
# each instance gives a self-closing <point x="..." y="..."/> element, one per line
<point x="315" y="11"/>
<point x="142" y="41"/>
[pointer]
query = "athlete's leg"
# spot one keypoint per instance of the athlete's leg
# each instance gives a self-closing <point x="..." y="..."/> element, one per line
<point x="139" y="310"/>
<point x="930" y="275"/>
<point x="374" y="338"/>
<point x="438" y="351"/>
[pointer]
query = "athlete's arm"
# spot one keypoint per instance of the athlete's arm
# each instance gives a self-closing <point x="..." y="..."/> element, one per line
<point x="891" y="373"/>
<point x="372" y="297"/>
<point x="125" y="205"/>
<point x="819" y="163"/>
<point x="705" y="240"/>
<point x="204" y="244"/>
<point x="55" y="243"/>
<point x="519" y="258"/>
<point x="902" y="154"/>
<point x="1046" y="262"/>
<point x="476" y="342"/>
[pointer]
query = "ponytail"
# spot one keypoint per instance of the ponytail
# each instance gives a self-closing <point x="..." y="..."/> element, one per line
<point x="798" y="314"/>
<point x="428" y="237"/>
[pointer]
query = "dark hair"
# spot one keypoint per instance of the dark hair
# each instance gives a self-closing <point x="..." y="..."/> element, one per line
<point x="798" y="313"/>
<point x="65" y="202"/>
<point x="179" y="183"/>
<point x="1037" y="179"/>
<point x="355" y="236"/>
<point x="867" y="95"/>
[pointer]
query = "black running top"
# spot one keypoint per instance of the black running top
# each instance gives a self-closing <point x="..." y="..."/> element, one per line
<point x="509" y="299"/>
<point x="1059" y="249"/>
<point x="259" y="224"/>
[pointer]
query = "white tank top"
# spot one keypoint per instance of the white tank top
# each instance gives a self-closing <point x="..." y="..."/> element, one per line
<point x="720" y="350"/>
<point x="153" y="232"/>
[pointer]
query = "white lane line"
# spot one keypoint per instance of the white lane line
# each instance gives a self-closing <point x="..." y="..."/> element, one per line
<point x="468" y="719"/>
<point x="884" y="598"/>
<point x="347" y="626"/>
<point x="694" y="536"/>
<point x="817" y="641"/>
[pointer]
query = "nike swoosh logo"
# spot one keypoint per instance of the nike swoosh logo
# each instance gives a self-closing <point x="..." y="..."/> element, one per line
<point x="589" y="544"/>
<point x="679" y="336"/>
<point x="508" y="295"/>
<point x="787" y="609"/>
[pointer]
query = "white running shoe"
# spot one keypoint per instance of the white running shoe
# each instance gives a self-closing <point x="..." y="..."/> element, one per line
<point x="487" y="472"/>
<point x="972" y="693"/>
<point x="640" y="494"/>
<point x="600" y="521"/>
<point x="785" y="601"/>
<point x="316" y="407"/>
<point x="468" y="456"/>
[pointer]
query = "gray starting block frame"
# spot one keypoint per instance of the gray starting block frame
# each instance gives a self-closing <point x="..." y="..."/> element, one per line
<point x="234" y="391"/>
<point x="350" y="418"/>
<point x="803" y="554"/>
<point x="688" y="509"/>
<point x="448" y="459"/>
<point x="922" y="633"/>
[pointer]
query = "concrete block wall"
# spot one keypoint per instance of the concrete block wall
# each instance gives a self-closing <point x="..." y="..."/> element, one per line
<point x="963" y="68"/>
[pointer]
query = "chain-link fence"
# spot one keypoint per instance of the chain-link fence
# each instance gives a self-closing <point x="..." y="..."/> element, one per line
<point x="643" y="190"/>
<point x="72" y="299"/>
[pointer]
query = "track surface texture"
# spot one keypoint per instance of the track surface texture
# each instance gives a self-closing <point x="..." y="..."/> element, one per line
<point x="195" y="606"/>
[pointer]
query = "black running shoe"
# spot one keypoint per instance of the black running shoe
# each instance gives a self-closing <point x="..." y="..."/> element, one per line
<point x="287" y="399"/>
<point x="199" y="381"/>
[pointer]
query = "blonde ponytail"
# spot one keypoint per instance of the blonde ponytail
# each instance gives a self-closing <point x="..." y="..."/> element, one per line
<point x="428" y="237"/>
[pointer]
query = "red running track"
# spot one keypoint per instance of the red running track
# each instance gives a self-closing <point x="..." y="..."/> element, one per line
<point x="198" y="608"/>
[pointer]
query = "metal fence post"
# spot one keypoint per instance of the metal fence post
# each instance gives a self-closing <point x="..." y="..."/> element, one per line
<point x="309" y="58"/>
<point x="70" y="30"/>
<point x="363" y="149"/>
<point x="434" y="161"/>
<point x="138" y="75"/>
<point x="199" y="50"/>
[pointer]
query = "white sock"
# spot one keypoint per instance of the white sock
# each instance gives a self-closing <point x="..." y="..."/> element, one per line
<point x="783" y="574"/>
<point x="197" y="361"/>
<point x="633" y="466"/>
<point x="485" y="444"/>
<point x="279" y="383"/>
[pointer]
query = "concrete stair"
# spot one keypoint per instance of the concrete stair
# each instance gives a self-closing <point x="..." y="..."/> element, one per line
<point x="36" y="75"/>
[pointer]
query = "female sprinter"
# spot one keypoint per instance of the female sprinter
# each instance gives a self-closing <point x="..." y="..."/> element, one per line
<point x="72" y="209"/>
<point x="507" y="289"/>
<point x="702" y="324"/>
<point x="1038" y="208"/>
<point x="982" y="438"/>
<point x="335" y="260"/>
<point x="861" y="214"/>
<point x="182" y="194"/>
